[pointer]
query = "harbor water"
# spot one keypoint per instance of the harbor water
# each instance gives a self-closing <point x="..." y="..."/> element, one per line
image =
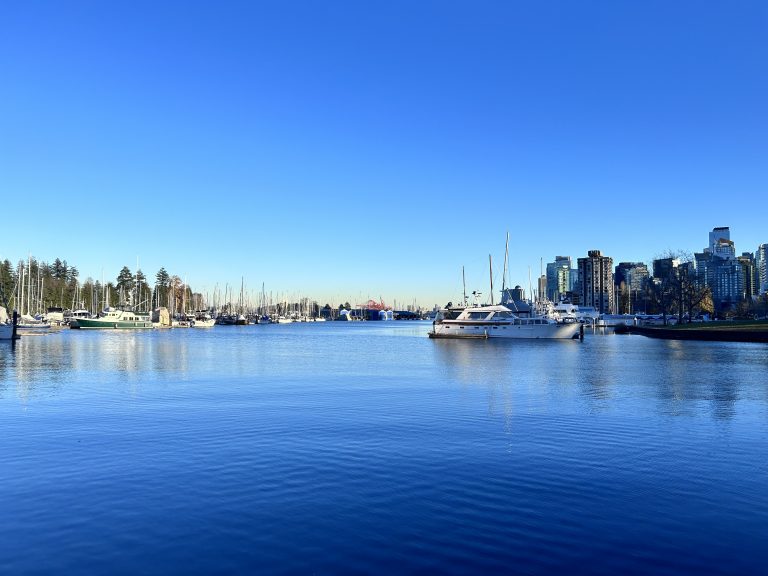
<point x="368" y="448"/>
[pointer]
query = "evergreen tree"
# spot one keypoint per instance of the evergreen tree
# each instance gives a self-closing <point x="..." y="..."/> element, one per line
<point x="7" y="281"/>
<point x="57" y="270"/>
<point x="162" y="278"/>
<point x="125" y="284"/>
<point x="143" y="291"/>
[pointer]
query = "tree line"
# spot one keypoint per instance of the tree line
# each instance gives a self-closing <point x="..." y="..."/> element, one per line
<point x="58" y="284"/>
<point x="680" y="292"/>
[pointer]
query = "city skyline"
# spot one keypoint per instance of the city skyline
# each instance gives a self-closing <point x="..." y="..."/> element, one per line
<point x="340" y="151"/>
<point x="535" y="285"/>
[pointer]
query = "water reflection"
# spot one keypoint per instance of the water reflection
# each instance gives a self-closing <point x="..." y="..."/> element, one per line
<point x="41" y="366"/>
<point x="602" y="374"/>
<point x="609" y="373"/>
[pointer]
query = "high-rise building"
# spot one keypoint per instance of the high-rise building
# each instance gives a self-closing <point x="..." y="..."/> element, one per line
<point x="664" y="268"/>
<point x="720" y="244"/>
<point x="596" y="282"/>
<point x="726" y="280"/>
<point x="702" y="262"/>
<point x="761" y="268"/>
<point x="542" y="286"/>
<point x="560" y="278"/>
<point x="724" y="273"/>
<point x="749" y="278"/>
<point x="717" y="234"/>
<point x="631" y="280"/>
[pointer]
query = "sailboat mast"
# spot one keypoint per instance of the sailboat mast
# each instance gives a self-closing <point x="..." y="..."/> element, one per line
<point x="21" y="290"/>
<point x="464" y="284"/>
<point x="530" y="286"/>
<point x="506" y="270"/>
<point x="490" y="268"/>
<point x="29" y="282"/>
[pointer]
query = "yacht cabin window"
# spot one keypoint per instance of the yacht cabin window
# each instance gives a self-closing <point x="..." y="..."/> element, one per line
<point x="477" y="315"/>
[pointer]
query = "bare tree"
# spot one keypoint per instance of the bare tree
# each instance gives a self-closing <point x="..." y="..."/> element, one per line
<point x="697" y="298"/>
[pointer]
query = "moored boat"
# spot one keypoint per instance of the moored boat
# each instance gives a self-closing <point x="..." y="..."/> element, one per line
<point x="500" y="322"/>
<point x="29" y="323"/>
<point x="6" y="331"/>
<point x="202" y="319"/>
<point x="115" y="319"/>
<point x="569" y="312"/>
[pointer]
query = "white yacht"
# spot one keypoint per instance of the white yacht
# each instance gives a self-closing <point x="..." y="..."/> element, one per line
<point x="500" y="322"/>
<point x="202" y="319"/>
<point x="199" y="319"/>
<point x="568" y="312"/>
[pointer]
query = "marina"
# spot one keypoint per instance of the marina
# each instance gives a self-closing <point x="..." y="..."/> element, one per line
<point x="250" y="321"/>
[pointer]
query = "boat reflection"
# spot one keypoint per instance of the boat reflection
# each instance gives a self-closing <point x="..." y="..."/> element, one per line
<point x="607" y="374"/>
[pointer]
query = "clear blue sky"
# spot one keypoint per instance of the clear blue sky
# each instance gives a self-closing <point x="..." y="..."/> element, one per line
<point x="342" y="150"/>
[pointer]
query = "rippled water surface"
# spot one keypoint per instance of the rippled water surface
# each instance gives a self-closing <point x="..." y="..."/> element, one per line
<point x="369" y="448"/>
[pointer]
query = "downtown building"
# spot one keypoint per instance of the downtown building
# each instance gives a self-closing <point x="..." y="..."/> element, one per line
<point x="596" y="284"/>
<point x="723" y="272"/>
<point x="748" y="275"/>
<point x="560" y="278"/>
<point x="632" y="280"/>
<point x="761" y="268"/>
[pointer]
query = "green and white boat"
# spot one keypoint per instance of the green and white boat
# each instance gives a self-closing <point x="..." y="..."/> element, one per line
<point x="125" y="319"/>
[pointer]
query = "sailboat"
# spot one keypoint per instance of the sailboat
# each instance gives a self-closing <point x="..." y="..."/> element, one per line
<point x="263" y="315"/>
<point x="241" y="319"/>
<point x="7" y="325"/>
<point x="26" y="321"/>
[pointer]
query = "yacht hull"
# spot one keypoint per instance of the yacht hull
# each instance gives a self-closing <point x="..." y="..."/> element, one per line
<point x="510" y="331"/>
<point x="91" y="323"/>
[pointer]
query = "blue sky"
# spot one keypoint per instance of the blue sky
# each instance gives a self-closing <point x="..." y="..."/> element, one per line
<point x="346" y="150"/>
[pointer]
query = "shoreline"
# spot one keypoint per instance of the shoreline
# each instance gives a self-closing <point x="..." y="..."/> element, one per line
<point x="744" y="332"/>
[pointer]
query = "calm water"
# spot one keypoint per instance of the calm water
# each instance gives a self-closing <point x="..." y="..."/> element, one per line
<point x="369" y="448"/>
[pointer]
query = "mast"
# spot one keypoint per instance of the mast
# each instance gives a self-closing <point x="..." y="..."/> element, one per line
<point x="29" y="280"/>
<point x="530" y="286"/>
<point x="136" y="287"/>
<point x="506" y="270"/>
<point x="490" y="268"/>
<point x="21" y="289"/>
<point x="464" y="284"/>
